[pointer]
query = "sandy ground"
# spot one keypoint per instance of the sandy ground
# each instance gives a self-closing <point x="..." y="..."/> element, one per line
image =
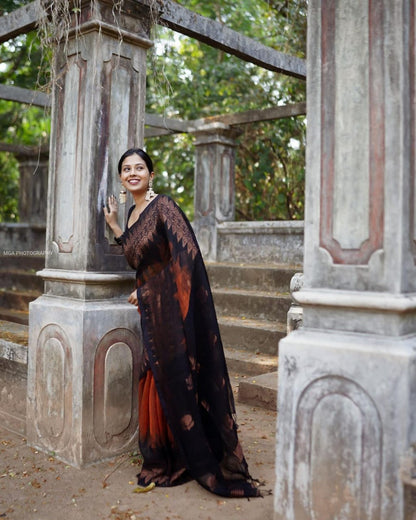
<point x="35" y="486"/>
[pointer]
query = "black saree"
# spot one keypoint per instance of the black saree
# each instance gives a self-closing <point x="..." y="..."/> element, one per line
<point x="187" y="425"/>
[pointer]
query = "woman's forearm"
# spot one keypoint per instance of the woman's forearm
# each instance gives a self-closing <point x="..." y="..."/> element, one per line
<point x="116" y="229"/>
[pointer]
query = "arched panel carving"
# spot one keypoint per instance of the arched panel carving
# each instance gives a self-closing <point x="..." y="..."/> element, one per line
<point x="204" y="189"/>
<point x="226" y="183"/>
<point x="53" y="403"/>
<point x="352" y="183"/>
<point x="338" y="452"/>
<point x="116" y="373"/>
<point x="71" y="95"/>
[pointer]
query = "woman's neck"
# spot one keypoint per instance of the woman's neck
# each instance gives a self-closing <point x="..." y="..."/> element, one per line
<point x="139" y="200"/>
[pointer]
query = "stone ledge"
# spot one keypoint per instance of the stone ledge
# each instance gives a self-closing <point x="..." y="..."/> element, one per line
<point x="379" y="301"/>
<point x="86" y="277"/>
<point x="13" y="342"/>
<point x="259" y="390"/>
<point x="267" y="242"/>
<point x="249" y="363"/>
<point x="13" y="352"/>
<point x="283" y="227"/>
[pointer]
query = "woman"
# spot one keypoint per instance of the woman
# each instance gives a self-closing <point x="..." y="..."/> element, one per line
<point x="186" y="408"/>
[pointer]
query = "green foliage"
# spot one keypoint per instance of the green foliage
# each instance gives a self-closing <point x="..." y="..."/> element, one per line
<point x="174" y="166"/>
<point x="270" y="175"/>
<point x="9" y="188"/>
<point x="22" y="124"/>
<point x="190" y="80"/>
<point x="23" y="64"/>
<point x="7" y="6"/>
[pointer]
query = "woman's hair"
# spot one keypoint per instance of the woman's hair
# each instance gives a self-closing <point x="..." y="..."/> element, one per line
<point x="136" y="151"/>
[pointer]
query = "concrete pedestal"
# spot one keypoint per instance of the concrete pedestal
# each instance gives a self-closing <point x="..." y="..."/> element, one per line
<point x="347" y="400"/>
<point x="83" y="378"/>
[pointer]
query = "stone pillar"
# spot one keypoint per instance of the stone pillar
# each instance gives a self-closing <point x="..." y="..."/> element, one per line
<point x="214" y="183"/>
<point x="84" y="339"/>
<point x="347" y="378"/>
<point x="33" y="192"/>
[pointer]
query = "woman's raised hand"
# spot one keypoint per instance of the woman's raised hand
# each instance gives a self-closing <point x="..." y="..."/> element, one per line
<point x="111" y="213"/>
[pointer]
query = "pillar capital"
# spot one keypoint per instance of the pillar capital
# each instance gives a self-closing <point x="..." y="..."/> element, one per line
<point x="129" y="21"/>
<point x="216" y="133"/>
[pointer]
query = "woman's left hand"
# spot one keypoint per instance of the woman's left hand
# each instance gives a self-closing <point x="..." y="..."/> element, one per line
<point x="133" y="298"/>
<point x="111" y="214"/>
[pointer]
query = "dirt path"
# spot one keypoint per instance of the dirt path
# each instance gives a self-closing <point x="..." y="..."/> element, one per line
<point x="35" y="486"/>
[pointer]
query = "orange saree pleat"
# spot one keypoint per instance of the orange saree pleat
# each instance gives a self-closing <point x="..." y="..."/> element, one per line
<point x="153" y="425"/>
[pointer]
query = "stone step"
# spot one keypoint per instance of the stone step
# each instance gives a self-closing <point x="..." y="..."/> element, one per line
<point x="14" y="341"/>
<point x="22" y="262"/>
<point x="251" y="277"/>
<point x="14" y="333"/>
<point x="253" y="373"/>
<point x="260" y="305"/>
<point x="259" y="390"/>
<point x="257" y="336"/>
<point x="17" y="300"/>
<point x="248" y="363"/>
<point x="252" y="322"/>
<point x="19" y="279"/>
<point x="13" y="376"/>
<point x="15" y="316"/>
<point x="13" y="384"/>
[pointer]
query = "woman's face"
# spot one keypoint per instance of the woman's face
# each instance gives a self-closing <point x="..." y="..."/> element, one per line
<point x="135" y="174"/>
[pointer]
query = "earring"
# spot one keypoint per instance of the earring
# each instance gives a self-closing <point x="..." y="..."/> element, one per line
<point x="150" y="193"/>
<point x="122" y="196"/>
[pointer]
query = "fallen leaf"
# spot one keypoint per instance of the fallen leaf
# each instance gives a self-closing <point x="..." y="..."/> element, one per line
<point x="141" y="489"/>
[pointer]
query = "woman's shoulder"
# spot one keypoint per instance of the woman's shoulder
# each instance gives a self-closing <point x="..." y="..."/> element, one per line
<point x="171" y="212"/>
<point x="163" y="198"/>
<point x="166" y="202"/>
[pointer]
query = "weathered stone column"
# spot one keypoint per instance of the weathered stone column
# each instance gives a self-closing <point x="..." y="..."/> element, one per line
<point x="84" y="342"/>
<point x="214" y="183"/>
<point x="347" y="379"/>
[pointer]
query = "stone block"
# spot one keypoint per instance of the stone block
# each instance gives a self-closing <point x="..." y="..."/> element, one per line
<point x="339" y="438"/>
<point x="260" y="390"/>
<point x="83" y="378"/>
<point x="269" y="242"/>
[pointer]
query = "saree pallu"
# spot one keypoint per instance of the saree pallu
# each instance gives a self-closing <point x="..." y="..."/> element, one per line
<point x="187" y="426"/>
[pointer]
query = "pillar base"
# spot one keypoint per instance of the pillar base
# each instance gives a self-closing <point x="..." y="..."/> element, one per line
<point x="83" y="368"/>
<point x="346" y="410"/>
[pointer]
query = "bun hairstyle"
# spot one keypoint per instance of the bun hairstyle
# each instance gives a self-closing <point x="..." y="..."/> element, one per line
<point x="136" y="151"/>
